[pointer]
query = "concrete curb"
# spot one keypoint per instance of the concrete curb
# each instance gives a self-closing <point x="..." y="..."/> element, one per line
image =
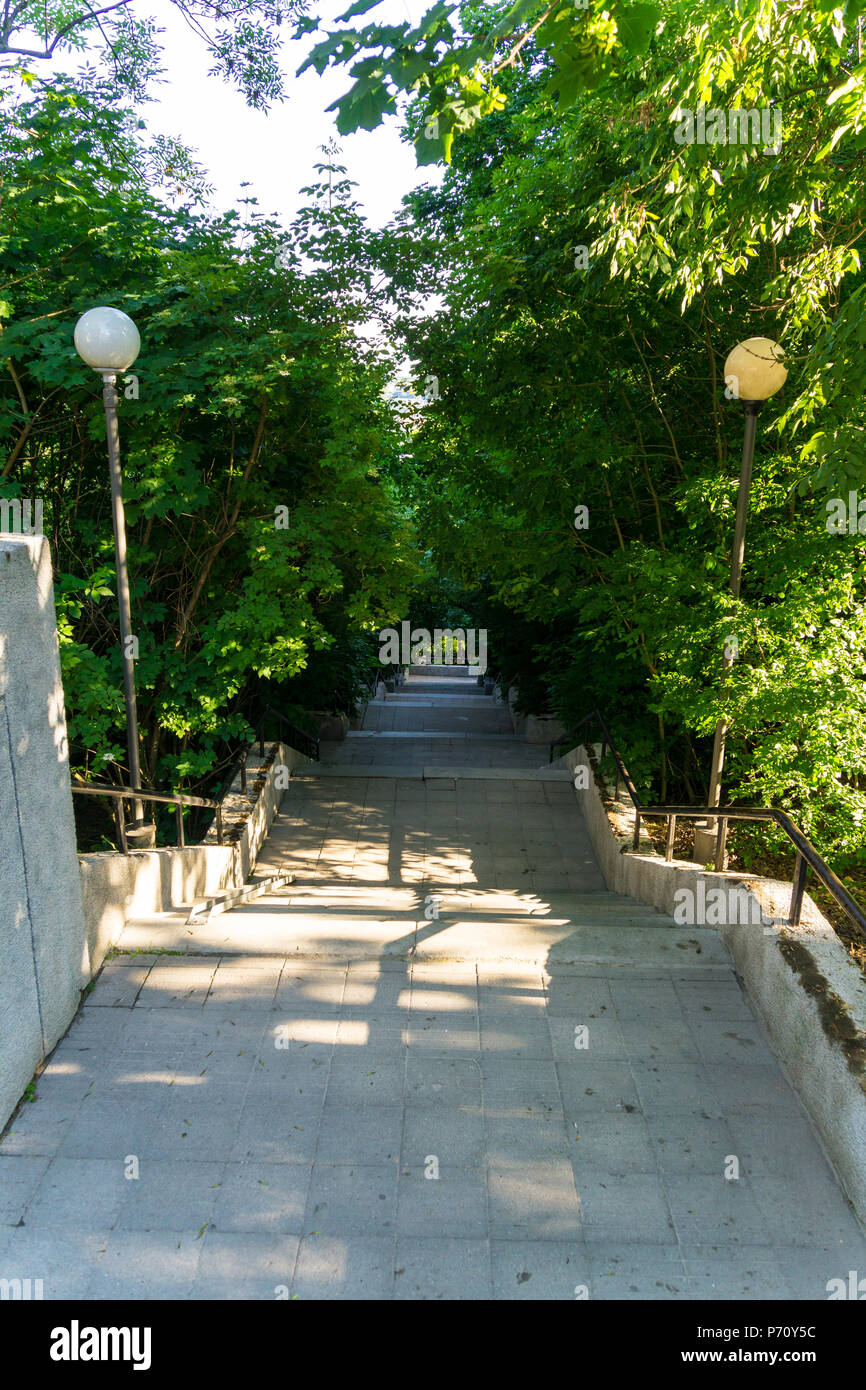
<point x="808" y="992"/>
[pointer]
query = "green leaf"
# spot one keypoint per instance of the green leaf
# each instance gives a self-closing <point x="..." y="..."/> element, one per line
<point x="833" y="142"/>
<point x="320" y="56"/>
<point x="360" y="7"/>
<point x="513" y="18"/>
<point x="363" y="106"/>
<point x="636" y="26"/>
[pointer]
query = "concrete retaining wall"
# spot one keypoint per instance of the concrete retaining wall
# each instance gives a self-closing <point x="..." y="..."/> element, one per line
<point x="542" y="728"/>
<point x="809" y="993"/>
<point x="117" y="888"/>
<point x="518" y="721"/>
<point x="44" y="959"/>
<point x="535" y="728"/>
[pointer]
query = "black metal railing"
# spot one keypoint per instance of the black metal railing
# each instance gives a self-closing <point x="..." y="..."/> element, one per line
<point x="289" y="733"/>
<point x="807" y="856"/>
<point x="177" y="799"/>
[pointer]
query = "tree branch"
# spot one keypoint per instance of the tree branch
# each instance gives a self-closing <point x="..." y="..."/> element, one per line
<point x="229" y="532"/>
<point x="48" y="51"/>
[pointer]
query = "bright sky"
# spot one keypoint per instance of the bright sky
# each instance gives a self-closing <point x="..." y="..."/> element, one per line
<point x="276" y="152"/>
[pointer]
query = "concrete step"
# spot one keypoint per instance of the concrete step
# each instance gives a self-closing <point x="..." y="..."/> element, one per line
<point x="408" y="700"/>
<point x="450" y="669"/>
<point x="228" y="898"/>
<point x="472" y="925"/>
<point x="405" y="897"/>
<point x="430" y="772"/>
<point x="384" y="734"/>
<point x="426" y="689"/>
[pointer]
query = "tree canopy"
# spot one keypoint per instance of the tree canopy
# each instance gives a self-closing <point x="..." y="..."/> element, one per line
<point x="241" y="36"/>
<point x="630" y="190"/>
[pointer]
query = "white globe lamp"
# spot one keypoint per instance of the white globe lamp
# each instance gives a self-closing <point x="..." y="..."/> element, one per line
<point x="107" y="340"/>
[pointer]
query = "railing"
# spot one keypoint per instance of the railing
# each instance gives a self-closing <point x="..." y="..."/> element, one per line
<point x="299" y="740"/>
<point x="390" y="671"/>
<point x="807" y="856"/>
<point x="289" y="733"/>
<point x="177" y="799"/>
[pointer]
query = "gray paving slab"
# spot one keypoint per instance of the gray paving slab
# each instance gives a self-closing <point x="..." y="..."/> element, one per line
<point x="169" y="1196"/>
<point x="78" y="1193"/>
<point x="441" y="1197"/>
<point x="630" y="1270"/>
<point x="539" y="1270"/>
<point x="441" y="1268"/>
<point x="624" y="1207"/>
<point x="260" y="1198"/>
<point x="455" y="1136"/>
<point x="63" y="1258"/>
<point x="351" y="1134"/>
<point x="20" y="1176"/>
<point x="535" y="1199"/>
<point x="234" y="1266"/>
<point x="357" y="1199"/>
<point x="355" y="1267"/>
<point x="613" y="1142"/>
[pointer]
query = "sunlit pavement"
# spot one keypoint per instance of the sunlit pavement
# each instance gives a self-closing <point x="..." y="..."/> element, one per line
<point x="445" y="1063"/>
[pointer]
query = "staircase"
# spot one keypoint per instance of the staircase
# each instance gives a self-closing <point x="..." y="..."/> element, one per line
<point x="427" y="979"/>
<point x="432" y="833"/>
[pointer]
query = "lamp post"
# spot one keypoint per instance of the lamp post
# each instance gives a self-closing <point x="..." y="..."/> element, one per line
<point x="108" y="341"/>
<point x="754" y="372"/>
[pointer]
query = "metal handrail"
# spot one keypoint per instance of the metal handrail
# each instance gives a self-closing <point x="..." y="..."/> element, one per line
<point x="177" y="799"/>
<point x="181" y="799"/>
<point x="299" y="738"/>
<point x="807" y="856"/>
<point x="302" y="740"/>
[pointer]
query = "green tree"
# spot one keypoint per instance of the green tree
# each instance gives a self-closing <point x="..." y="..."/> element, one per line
<point x="596" y="270"/>
<point x="257" y="447"/>
<point x="241" y="36"/>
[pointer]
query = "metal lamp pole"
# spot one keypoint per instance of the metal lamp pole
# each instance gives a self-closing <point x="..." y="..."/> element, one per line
<point x="753" y="372"/>
<point x="109" y="398"/>
<point x="108" y="341"/>
<point x="751" y="409"/>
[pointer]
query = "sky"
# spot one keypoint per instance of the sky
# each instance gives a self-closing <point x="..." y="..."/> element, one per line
<point x="276" y="151"/>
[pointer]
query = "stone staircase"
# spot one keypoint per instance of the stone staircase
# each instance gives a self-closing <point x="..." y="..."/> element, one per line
<point x="384" y="851"/>
<point x="430" y="971"/>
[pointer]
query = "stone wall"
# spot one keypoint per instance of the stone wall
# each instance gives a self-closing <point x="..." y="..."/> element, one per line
<point x="44" y="957"/>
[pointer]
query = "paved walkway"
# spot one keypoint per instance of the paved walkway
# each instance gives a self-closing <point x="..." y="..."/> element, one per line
<point x="444" y="1064"/>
